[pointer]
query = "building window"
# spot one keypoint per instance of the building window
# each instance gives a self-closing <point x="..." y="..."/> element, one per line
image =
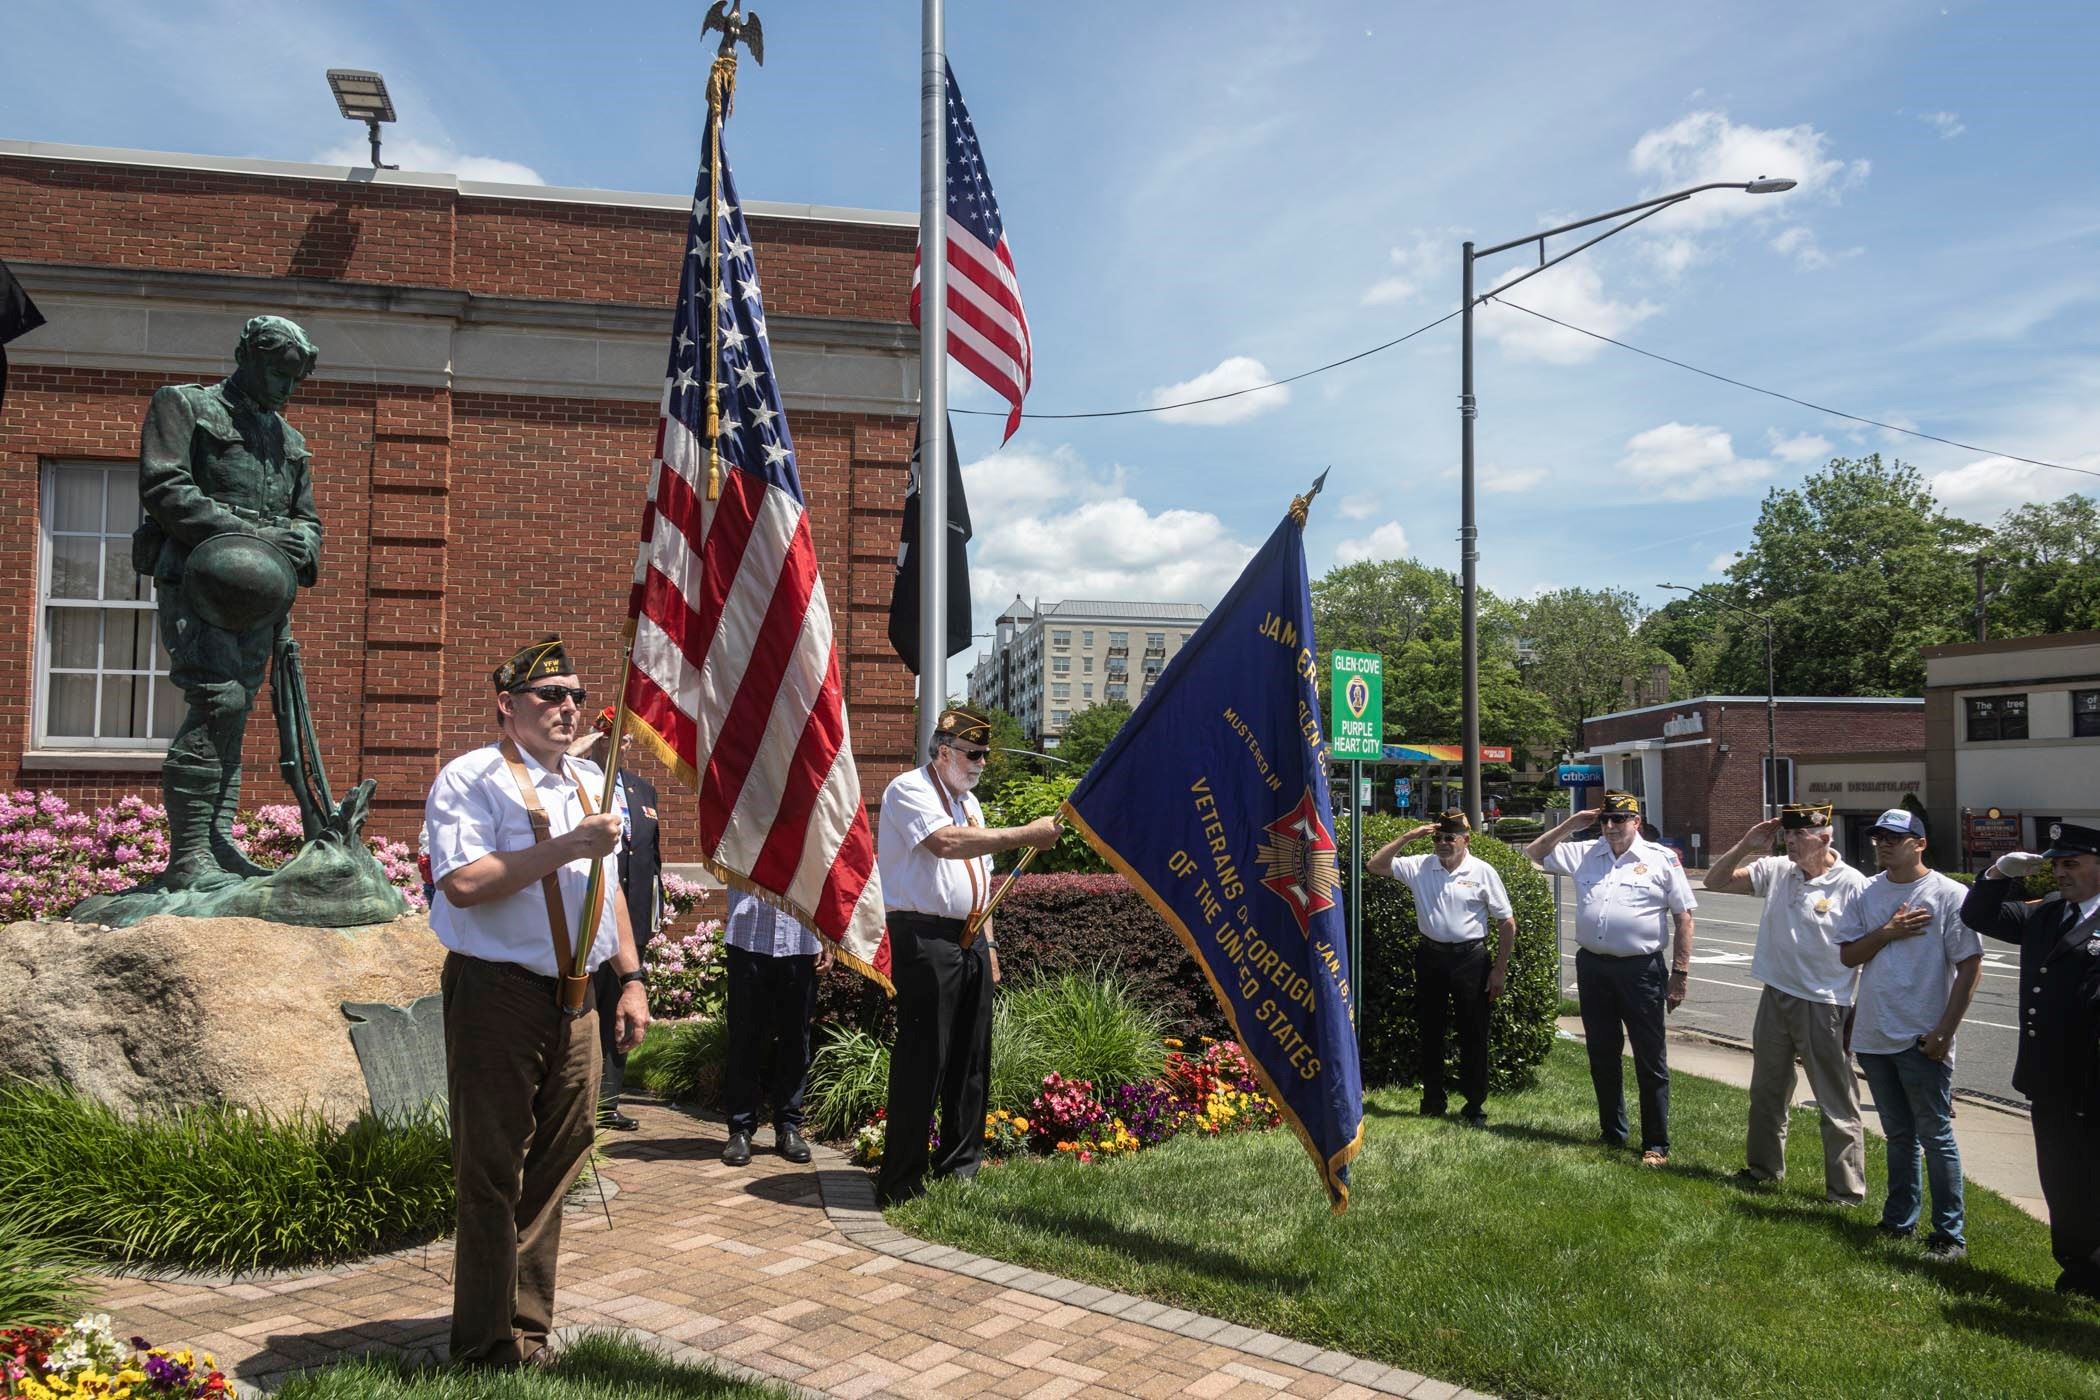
<point x="2085" y="714"/>
<point x="1155" y="641"/>
<point x="1060" y="718"/>
<point x="102" y="673"/>
<point x="1087" y="665"/>
<point x="1086" y="638"/>
<point x="1778" y="780"/>
<point x="1994" y="717"/>
<point x="1062" y="690"/>
<point x="1060" y="665"/>
<point x="1086" y="690"/>
<point x="1119" y="639"/>
<point x="1060" y="639"/>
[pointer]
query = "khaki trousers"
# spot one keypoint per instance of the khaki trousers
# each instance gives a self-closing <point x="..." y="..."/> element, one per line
<point x="1789" y="1027"/>
<point x="523" y="1079"/>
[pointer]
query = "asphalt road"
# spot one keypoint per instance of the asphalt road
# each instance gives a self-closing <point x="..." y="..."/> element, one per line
<point x="1723" y="998"/>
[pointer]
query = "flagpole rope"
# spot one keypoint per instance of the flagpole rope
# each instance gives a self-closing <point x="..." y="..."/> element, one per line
<point x="721" y="97"/>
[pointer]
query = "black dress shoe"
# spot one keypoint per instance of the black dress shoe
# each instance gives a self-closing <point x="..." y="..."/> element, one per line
<point x="791" y="1145"/>
<point x="738" y="1152"/>
<point x="613" y="1118"/>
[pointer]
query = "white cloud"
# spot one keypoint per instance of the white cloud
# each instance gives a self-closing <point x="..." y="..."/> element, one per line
<point x="1990" y="486"/>
<point x="431" y="158"/>
<point x="1051" y="527"/>
<point x="1803" y="447"/>
<point x="1388" y="541"/>
<point x="1387" y="291"/>
<point x="1673" y="256"/>
<point x="1426" y="256"/>
<point x="1799" y="243"/>
<point x="1723" y="561"/>
<point x="1233" y="374"/>
<point x="1358" y="507"/>
<point x="1707" y="146"/>
<point x="1948" y="124"/>
<point x="1573" y="292"/>
<point x="1689" y="462"/>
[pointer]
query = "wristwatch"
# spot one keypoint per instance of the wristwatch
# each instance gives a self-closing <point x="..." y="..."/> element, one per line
<point x="635" y="976"/>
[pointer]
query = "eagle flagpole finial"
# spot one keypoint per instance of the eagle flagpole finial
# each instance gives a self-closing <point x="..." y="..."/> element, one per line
<point x="729" y="17"/>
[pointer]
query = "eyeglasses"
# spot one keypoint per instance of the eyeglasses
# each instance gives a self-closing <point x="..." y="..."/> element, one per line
<point x="1880" y="837"/>
<point x="1611" y="818"/>
<point x="555" y="694"/>
<point x="974" y="755"/>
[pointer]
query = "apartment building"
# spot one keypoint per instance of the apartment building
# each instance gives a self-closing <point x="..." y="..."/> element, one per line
<point x="1049" y="662"/>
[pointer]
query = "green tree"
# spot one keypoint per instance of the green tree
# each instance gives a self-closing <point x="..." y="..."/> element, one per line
<point x="1089" y="732"/>
<point x="1858" y="568"/>
<point x="1585" y="644"/>
<point x="2047" y="555"/>
<point x="1005" y="766"/>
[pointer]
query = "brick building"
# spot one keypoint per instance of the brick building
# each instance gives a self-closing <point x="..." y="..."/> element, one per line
<point x="1699" y="764"/>
<point x="481" y="424"/>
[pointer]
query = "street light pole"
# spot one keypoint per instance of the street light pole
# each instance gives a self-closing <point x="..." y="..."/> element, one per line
<point x="1468" y="410"/>
<point x="1771" y="783"/>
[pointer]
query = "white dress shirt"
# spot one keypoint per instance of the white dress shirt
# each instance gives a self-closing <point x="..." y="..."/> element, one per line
<point x="474" y="809"/>
<point x="1453" y="906"/>
<point x="914" y="879"/>
<point x="1623" y="904"/>
<point x="765" y="929"/>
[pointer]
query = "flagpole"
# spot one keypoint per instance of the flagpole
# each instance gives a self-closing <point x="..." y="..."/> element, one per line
<point x="933" y="372"/>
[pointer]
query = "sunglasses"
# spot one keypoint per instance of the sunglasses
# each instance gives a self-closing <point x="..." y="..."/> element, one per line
<point x="555" y="694"/>
<point x="974" y="755"/>
<point x="1613" y="818"/>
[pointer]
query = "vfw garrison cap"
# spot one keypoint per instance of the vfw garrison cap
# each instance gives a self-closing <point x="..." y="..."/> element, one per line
<point x="1452" y="822"/>
<point x="964" y="725"/>
<point x="1805" y="816"/>
<point x="1621" y="802"/>
<point x="533" y="664"/>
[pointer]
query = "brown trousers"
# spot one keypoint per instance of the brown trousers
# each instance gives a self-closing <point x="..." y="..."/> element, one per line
<point x="523" y="1080"/>
<point x="1787" y="1028"/>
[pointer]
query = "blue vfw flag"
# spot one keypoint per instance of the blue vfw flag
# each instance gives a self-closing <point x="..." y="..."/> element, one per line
<point x="1212" y="801"/>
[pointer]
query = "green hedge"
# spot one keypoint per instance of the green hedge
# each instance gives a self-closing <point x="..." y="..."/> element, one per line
<point x="2040" y="885"/>
<point x="1521" y="1031"/>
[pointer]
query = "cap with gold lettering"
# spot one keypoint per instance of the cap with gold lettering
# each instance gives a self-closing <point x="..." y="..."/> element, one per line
<point x="1452" y="822"/>
<point x="533" y="664"/>
<point x="1621" y="802"/>
<point x="1805" y="816"/>
<point x="964" y="725"/>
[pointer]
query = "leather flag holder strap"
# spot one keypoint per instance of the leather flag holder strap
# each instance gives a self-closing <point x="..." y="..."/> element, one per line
<point x="575" y="996"/>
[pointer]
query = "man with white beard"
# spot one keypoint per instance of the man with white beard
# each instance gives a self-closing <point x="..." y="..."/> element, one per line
<point x="935" y="854"/>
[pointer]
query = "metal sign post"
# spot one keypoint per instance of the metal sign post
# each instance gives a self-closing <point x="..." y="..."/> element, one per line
<point x="1356" y="731"/>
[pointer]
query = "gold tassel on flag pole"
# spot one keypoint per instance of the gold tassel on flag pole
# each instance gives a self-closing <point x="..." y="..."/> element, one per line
<point x="721" y="96"/>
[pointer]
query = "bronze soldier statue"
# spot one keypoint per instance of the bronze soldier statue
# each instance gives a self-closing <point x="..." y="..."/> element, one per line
<point x="230" y="534"/>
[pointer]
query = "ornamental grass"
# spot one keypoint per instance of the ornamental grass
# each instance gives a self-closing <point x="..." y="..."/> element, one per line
<point x="218" y="1186"/>
<point x="598" y="1366"/>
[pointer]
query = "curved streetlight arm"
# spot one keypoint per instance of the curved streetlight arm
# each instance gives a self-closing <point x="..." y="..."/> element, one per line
<point x="1660" y="201"/>
<point x="1700" y="590"/>
<point x="1545" y="262"/>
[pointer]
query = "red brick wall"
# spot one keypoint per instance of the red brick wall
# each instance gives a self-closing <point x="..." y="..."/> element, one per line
<point x="457" y="526"/>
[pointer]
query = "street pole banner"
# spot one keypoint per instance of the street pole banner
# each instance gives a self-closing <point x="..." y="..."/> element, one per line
<point x="1213" y="802"/>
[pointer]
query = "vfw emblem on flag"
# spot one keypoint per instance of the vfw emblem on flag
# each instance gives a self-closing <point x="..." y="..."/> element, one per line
<point x="1299" y="858"/>
<point x="1357" y="695"/>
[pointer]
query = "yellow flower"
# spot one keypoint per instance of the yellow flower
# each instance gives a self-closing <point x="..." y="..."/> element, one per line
<point x="1020" y="1125"/>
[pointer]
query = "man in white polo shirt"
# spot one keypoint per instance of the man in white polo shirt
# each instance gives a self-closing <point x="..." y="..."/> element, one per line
<point x="935" y="853"/>
<point x="1633" y="931"/>
<point x="514" y="833"/>
<point x="1807" y="1001"/>
<point x="1457" y="897"/>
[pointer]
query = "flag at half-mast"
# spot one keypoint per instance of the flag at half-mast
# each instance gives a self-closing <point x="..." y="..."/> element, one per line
<point x="733" y="677"/>
<point x="987" y="325"/>
<point x="1212" y="801"/>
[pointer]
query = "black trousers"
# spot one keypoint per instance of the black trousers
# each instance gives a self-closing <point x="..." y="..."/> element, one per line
<point x="1622" y="999"/>
<point x="1451" y="985"/>
<point x="943" y="1054"/>
<point x="770" y="1004"/>
<point x="605" y="990"/>
<point x="2067" y="1152"/>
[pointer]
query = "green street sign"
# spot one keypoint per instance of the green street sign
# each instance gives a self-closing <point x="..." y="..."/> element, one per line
<point x="1356" y="705"/>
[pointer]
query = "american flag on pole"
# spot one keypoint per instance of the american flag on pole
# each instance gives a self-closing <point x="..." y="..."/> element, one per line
<point x="987" y="327"/>
<point x="734" y="676"/>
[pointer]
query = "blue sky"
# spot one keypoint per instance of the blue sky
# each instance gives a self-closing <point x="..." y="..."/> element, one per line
<point x="1212" y="194"/>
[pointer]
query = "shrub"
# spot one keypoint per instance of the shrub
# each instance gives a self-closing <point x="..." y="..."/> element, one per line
<point x="1521" y="1029"/>
<point x="849" y="1081"/>
<point x="1024" y="800"/>
<point x="1515" y="829"/>
<point x="39" y="1277"/>
<point x="1085" y="1026"/>
<point x="688" y="973"/>
<point x="2039" y="885"/>
<point x="219" y="1186"/>
<point x="685" y="1063"/>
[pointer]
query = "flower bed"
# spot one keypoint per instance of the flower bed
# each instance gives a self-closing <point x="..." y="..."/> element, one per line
<point x="85" y="1359"/>
<point x="1210" y="1093"/>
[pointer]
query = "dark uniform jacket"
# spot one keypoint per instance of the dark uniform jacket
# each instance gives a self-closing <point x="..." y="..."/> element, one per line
<point x="212" y="463"/>
<point x="641" y="859"/>
<point x="2059" y="990"/>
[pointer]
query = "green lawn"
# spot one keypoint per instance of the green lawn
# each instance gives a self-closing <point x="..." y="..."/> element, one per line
<point x="1529" y="1259"/>
<point x="601" y="1367"/>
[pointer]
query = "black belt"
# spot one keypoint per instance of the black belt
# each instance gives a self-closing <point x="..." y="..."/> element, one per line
<point x="517" y="972"/>
<point x="1427" y="942"/>
<point x="1617" y="957"/>
<point x="936" y="925"/>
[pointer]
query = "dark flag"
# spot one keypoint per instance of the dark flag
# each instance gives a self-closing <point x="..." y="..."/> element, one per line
<point x="18" y="317"/>
<point x="904" y="591"/>
<point x="1212" y="801"/>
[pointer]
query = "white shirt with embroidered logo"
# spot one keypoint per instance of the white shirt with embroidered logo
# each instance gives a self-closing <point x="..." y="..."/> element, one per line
<point x="1453" y="906"/>
<point x="1623" y="904"/>
<point x="914" y="879"/>
<point x="474" y="809"/>
<point x="1797" y="935"/>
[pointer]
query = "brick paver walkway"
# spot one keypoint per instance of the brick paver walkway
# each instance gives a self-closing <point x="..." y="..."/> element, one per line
<point x="773" y="1271"/>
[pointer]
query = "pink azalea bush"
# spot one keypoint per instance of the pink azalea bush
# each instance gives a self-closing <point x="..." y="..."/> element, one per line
<point x="688" y="971"/>
<point x="52" y="856"/>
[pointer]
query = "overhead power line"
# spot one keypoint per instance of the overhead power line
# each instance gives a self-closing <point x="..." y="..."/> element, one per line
<point x="1564" y="325"/>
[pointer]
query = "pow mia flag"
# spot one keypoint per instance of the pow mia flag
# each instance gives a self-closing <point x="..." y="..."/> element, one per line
<point x="904" y="592"/>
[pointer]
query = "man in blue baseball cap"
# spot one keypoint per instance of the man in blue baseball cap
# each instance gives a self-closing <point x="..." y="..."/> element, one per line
<point x="2059" y="1065"/>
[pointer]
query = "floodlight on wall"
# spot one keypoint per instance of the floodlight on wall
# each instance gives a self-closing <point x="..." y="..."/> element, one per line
<point x="361" y="97"/>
